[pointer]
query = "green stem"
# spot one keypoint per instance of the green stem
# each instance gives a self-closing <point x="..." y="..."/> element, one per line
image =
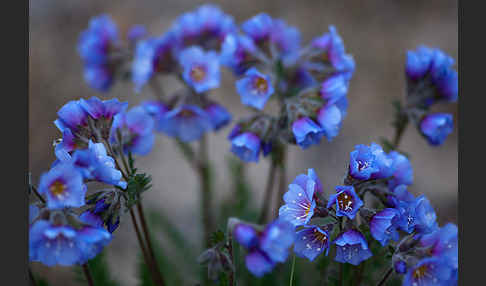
<point x="205" y="183"/>
<point x="144" y="250"/>
<point x="34" y="189"/>
<point x="385" y="277"/>
<point x="268" y="192"/>
<point x="292" y="271"/>
<point x="87" y="273"/>
<point x="148" y="240"/>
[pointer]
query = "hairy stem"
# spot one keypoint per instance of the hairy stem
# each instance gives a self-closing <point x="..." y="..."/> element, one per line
<point x="282" y="184"/>
<point x="87" y="273"/>
<point x="268" y="192"/>
<point x="144" y="250"/>
<point x="148" y="241"/>
<point x="385" y="277"/>
<point x="34" y="189"/>
<point x="205" y="182"/>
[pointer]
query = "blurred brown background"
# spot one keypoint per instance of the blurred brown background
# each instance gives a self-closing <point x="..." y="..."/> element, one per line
<point x="376" y="33"/>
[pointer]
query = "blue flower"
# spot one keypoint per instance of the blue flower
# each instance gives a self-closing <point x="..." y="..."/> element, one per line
<point x="259" y="27"/>
<point x="417" y="215"/>
<point x="96" y="42"/>
<point x="64" y="245"/>
<point x="334" y="90"/>
<point x="426" y="64"/>
<point x="307" y="132"/>
<point x="370" y="163"/>
<point x="443" y="243"/>
<point x="136" y="129"/>
<point x="200" y="69"/>
<point x="246" y="146"/>
<point x="94" y="46"/>
<point x="207" y="26"/>
<point x="63" y="186"/>
<point x="95" y="164"/>
<point x="267" y="248"/>
<point x="238" y="53"/>
<point x="255" y="88"/>
<point x="351" y="247"/>
<point x="403" y="170"/>
<point x="157" y="110"/>
<point x="151" y="56"/>
<point x="186" y="122"/>
<point x="266" y="31"/>
<point x="428" y="271"/>
<point x="383" y="225"/>
<point x="299" y="199"/>
<point x="246" y="235"/>
<point x="436" y="127"/>
<point x="105" y="109"/>
<point x="346" y="200"/>
<point x="311" y="241"/>
<point x="329" y="49"/>
<point x="71" y="116"/>
<point x="99" y="77"/>
<point x="136" y="33"/>
<point x="330" y="118"/>
<point x="400" y="193"/>
<point x="218" y="115"/>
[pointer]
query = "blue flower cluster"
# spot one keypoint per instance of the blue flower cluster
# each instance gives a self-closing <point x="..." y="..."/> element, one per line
<point x="431" y="79"/>
<point x="311" y="82"/>
<point x="58" y="235"/>
<point x="426" y="253"/>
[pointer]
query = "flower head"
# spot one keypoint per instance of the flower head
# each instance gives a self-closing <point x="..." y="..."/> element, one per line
<point x="370" y="162"/>
<point x="246" y="146"/>
<point x="136" y="33"/>
<point x="417" y="215"/>
<point x="207" y="26"/>
<point x="351" y="247"/>
<point x="307" y="132"/>
<point x="65" y="245"/>
<point x="238" y="53"/>
<point x="135" y="129"/>
<point x="63" y="186"/>
<point x="428" y="271"/>
<point x="299" y="199"/>
<point x="346" y="200"/>
<point x="433" y="67"/>
<point x="95" y="164"/>
<point x="266" y="248"/>
<point x="218" y="115"/>
<point x="254" y="88"/>
<point x="383" y="225"/>
<point x="311" y="241"/>
<point x="200" y="69"/>
<point x="186" y="122"/>
<point x="94" y="46"/>
<point x="443" y="243"/>
<point x="329" y="50"/>
<point x="157" y="110"/>
<point x="153" y="55"/>
<point x="330" y="118"/>
<point x="403" y="170"/>
<point x="334" y="90"/>
<point x="436" y="127"/>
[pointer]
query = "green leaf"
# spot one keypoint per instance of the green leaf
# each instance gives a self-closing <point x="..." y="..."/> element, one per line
<point x="137" y="184"/>
<point x="217" y="237"/>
